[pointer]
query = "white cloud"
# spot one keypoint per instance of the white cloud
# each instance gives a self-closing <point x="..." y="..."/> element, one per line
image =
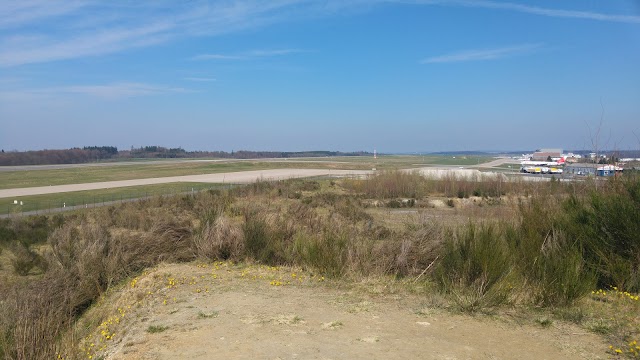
<point x="483" y="54"/>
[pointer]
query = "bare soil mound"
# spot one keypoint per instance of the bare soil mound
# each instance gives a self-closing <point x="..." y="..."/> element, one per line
<point x="197" y="311"/>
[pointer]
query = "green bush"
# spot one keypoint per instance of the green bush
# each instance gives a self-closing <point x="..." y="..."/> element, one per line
<point x="562" y="277"/>
<point x="327" y="253"/>
<point x="394" y="204"/>
<point x="260" y="242"/>
<point x="475" y="266"/>
<point x="548" y="259"/>
<point x="606" y="224"/>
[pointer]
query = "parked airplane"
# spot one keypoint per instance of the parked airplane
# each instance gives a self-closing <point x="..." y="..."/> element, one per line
<point x="542" y="167"/>
<point x="558" y="162"/>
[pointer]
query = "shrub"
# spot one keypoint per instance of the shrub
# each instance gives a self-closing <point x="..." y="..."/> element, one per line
<point x="475" y="266"/>
<point x="6" y="234"/>
<point x="221" y="240"/>
<point x="154" y="329"/>
<point x="351" y="210"/>
<point x="326" y="253"/>
<point x="391" y="184"/>
<point x="562" y="277"/>
<point x="414" y="251"/>
<point x="607" y="224"/>
<point x="25" y="259"/>
<point x="85" y="260"/>
<point x="260" y="242"/>
<point x="394" y="204"/>
<point x="548" y="259"/>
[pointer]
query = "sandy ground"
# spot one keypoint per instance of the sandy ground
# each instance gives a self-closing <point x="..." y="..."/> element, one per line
<point x="231" y="177"/>
<point x="221" y="311"/>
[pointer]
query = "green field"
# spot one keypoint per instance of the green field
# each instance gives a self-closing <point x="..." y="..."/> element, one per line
<point x="91" y="197"/>
<point x="409" y="161"/>
<point x="148" y="169"/>
<point x="89" y="174"/>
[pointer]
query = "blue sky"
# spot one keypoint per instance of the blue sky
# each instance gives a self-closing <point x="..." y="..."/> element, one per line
<point x="287" y="75"/>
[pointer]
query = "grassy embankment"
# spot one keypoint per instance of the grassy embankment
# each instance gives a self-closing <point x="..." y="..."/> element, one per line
<point x="547" y="256"/>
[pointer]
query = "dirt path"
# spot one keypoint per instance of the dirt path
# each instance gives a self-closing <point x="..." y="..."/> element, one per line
<point x="221" y="311"/>
<point x="231" y="177"/>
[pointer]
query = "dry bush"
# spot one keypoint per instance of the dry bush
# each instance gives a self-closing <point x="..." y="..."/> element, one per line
<point x="221" y="240"/>
<point x="411" y="252"/>
<point x="305" y="216"/>
<point x="85" y="260"/>
<point x="25" y="259"/>
<point x="390" y="184"/>
<point x="420" y="248"/>
<point x="34" y="316"/>
<point x="132" y="215"/>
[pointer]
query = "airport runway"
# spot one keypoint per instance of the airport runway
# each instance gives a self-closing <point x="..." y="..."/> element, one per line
<point x="163" y="162"/>
<point x="242" y="177"/>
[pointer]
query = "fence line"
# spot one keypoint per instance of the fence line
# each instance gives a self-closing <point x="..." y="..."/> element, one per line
<point x="93" y="201"/>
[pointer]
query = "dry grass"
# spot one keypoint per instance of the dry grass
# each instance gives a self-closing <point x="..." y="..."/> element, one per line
<point x="318" y="227"/>
<point x="221" y="240"/>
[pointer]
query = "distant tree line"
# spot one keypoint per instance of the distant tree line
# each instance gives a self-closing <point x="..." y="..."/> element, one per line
<point x="147" y="152"/>
<point x="66" y="156"/>
<point x="101" y="153"/>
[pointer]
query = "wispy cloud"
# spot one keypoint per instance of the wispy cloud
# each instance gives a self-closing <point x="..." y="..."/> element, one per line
<point x="559" y="13"/>
<point x="44" y="49"/>
<point x="247" y="54"/>
<point x="120" y="90"/>
<point x="216" y="57"/>
<point x="110" y="91"/>
<point x="200" y="79"/>
<point x="117" y="27"/>
<point x="277" y="52"/>
<point x="18" y="13"/>
<point x="73" y="29"/>
<point x="483" y="54"/>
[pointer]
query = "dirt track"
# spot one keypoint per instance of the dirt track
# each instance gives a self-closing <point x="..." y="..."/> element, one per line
<point x="233" y="177"/>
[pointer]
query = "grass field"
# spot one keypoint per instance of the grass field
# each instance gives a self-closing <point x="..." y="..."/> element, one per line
<point x="400" y="161"/>
<point x="88" y="174"/>
<point x="91" y="197"/>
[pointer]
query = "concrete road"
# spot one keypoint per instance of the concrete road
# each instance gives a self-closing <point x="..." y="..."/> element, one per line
<point x="497" y="162"/>
<point x="232" y="177"/>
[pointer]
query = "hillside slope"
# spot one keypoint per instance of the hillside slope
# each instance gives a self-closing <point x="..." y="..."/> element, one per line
<point x="220" y="310"/>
